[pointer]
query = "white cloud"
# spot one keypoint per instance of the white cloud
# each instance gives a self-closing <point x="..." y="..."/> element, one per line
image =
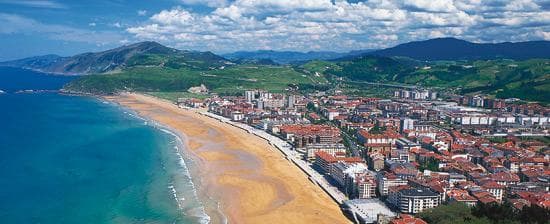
<point x="92" y="24"/>
<point x="142" y="12"/>
<point x="431" y="5"/>
<point x="522" y="5"/>
<point x="545" y="35"/>
<point x="341" y="25"/>
<point x="209" y="3"/>
<point x="176" y="16"/>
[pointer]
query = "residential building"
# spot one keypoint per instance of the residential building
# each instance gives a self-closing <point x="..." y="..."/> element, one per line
<point x="385" y="180"/>
<point x="325" y="161"/>
<point x="414" y="200"/>
<point x="332" y="148"/>
<point x="303" y="135"/>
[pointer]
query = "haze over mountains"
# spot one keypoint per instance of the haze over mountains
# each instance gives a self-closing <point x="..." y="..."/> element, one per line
<point x="155" y="54"/>
<point x="291" y="57"/>
<point x="144" y="53"/>
<point x="428" y="50"/>
<point x="455" y="49"/>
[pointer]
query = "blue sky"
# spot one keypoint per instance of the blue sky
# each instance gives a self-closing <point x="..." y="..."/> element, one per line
<point x="37" y="27"/>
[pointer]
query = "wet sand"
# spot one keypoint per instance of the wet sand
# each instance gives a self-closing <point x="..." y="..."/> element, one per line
<point x="248" y="177"/>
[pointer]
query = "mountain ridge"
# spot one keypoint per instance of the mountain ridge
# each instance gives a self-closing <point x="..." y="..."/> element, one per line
<point x="456" y="49"/>
<point x="290" y="57"/>
<point x="136" y="54"/>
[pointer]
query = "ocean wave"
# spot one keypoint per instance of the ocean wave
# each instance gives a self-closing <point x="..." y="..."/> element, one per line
<point x="198" y="211"/>
<point x="176" y="197"/>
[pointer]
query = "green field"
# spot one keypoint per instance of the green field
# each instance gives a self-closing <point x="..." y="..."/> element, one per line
<point x="174" y="96"/>
<point x="231" y="80"/>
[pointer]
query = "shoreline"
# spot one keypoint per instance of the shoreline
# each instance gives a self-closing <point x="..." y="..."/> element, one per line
<point x="251" y="179"/>
<point x="181" y="141"/>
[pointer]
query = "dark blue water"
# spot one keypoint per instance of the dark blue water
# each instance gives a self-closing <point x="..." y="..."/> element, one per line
<point x="14" y="79"/>
<point x="72" y="159"/>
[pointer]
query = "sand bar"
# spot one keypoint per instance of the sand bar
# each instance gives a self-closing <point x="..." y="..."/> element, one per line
<point x="250" y="178"/>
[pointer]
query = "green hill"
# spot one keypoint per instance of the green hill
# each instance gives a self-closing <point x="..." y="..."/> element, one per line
<point x="230" y="80"/>
<point x="526" y="79"/>
<point x="139" y="54"/>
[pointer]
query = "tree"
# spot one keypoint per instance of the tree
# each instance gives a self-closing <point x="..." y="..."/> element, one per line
<point x="430" y="164"/>
<point x="453" y="213"/>
<point x="377" y="129"/>
<point x="497" y="213"/>
<point x="459" y="213"/>
<point x="534" y="214"/>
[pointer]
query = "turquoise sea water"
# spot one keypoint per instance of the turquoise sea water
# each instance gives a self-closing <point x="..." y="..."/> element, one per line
<point x="73" y="159"/>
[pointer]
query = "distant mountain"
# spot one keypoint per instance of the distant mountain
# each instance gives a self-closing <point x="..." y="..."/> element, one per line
<point x="289" y="57"/>
<point x="38" y="61"/>
<point x="455" y="49"/>
<point x="254" y="61"/>
<point x="139" y="54"/>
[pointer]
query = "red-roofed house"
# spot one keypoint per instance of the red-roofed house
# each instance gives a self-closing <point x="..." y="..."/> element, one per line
<point x="407" y="219"/>
<point x="377" y="142"/>
<point x="484" y="197"/>
<point x="495" y="189"/>
<point x="462" y="196"/>
<point x="505" y="178"/>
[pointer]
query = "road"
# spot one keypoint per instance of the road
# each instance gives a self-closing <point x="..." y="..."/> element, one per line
<point x="387" y="85"/>
<point x="354" y="147"/>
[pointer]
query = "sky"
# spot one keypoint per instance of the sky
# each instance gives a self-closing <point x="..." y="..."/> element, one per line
<point x="39" y="27"/>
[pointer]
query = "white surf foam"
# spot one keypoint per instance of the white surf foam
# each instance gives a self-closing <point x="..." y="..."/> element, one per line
<point x="199" y="211"/>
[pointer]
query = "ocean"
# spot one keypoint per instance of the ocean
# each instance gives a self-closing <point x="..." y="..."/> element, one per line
<point x="76" y="159"/>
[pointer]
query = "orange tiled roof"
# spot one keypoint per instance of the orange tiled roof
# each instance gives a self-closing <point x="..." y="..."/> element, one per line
<point x="386" y="134"/>
<point x="332" y="159"/>
<point x="408" y="219"/>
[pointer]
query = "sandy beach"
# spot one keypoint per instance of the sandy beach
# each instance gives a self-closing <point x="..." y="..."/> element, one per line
<point x="248" y="177"/>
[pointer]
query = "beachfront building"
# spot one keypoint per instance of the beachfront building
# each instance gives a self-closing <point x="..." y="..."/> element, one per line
<point x="385" y="180"/>
<point x="332" y="148"/>
<point x="304" y="135"/>
<point x="345" y="174"/>
<point x="237" y="116"/>
<point x="325" y="161"/>
<point x="414" y="200"/>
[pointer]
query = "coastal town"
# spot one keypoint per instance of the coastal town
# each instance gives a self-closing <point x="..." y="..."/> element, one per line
<point x="388" y="160"/>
